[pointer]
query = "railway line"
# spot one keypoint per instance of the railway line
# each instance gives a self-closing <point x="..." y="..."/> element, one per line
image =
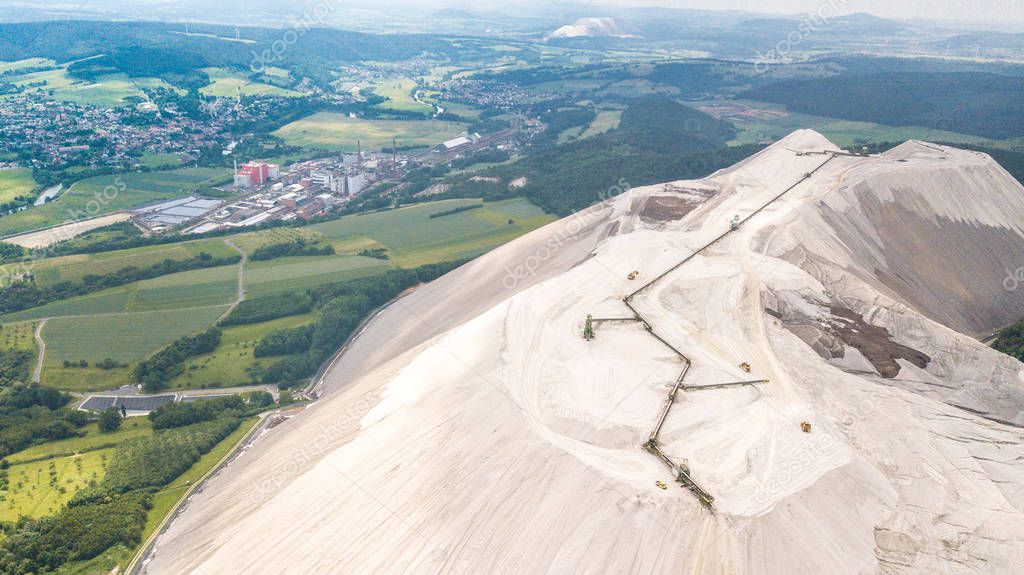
<point x="681" y="469"/>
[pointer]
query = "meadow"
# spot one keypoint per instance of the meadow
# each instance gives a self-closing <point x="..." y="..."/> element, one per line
<point x="107" y="91"/>
<point x="413" y="238"/>
<point x="251" y="241"/>
<point x="183" y="290"/>
<point x="42" y="487"/>
<point x="14" y="183"/>
<point x="18" y="336"/>
<point x="399" y="92"/>
<point x="228" y="84"/>
<point x="72" y="268"/>
<point x="299" y="273"/>
<point x="91" y="441"/>
<point x="107" y="194"/>
<point x="338" y="132"/>
<point x="233" y="363"/>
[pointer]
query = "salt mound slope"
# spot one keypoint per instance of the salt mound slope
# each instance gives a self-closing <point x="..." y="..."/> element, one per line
<point x="470" y="429"/>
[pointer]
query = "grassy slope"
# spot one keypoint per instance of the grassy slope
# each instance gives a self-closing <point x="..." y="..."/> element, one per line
<point x="227" y="84"/>
<point x="91" y="441"/>
<point x="74" y="267"/>
<point x="32" y="493"/>
<point x="127" y="323"/>
<point x="232" y="362"/>
<point x="413" y="238"/>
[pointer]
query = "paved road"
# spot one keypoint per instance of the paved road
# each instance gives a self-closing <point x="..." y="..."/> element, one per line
<point x="241" y="278"/>
<point x="38" y="373"/>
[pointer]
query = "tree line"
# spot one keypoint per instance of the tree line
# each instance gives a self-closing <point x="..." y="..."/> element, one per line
<point x="27" y="295"/>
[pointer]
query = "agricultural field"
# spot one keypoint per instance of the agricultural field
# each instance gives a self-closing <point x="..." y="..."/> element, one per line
<point x="126" y="338"/>
<point x="42" y="487"/>
<point x="228" y="84"/>
<point x="130" y="322"/>
<point x="413" y="238"/>
<point x="107" y="194"/>
<point x="107" y="91"/>
<point x="232" y="363"/>
<point x="338" y="132"/>
<point x="190" y="289"/>
<point x="14" y="183"/>
<point x="251" y="241"/>
<point x="298" y="273"/>
<point x="72" y="268"/>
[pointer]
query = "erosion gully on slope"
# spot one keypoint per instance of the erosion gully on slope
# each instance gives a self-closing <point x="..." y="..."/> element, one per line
<point x="682" y="470"/>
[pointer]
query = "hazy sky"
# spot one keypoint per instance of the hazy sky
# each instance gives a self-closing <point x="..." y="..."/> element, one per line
<point x="973" y="10"/>
<point x="1002" y="13"/>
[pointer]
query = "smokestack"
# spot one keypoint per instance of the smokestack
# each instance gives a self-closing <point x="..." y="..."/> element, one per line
<point x="394" y="152"/>
<point x="359" y="153"/>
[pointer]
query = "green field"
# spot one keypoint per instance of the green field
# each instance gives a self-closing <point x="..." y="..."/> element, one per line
<point x="228" y="84"/>
<point x="107" y="91"/>
<point x="159" y="161"/>
<point x="338" y="132"/>
<point x="14" y="183"/>
<point x="37" y="496"/>
<point x="126" y="337"/>
<point x="191" y="289"/>
<point x="73" y="268"/>
<point x="43" y="487"/>
<point x="107" y="194"/>
<point x="605" y="120"/>
<point x="19" y="336"/>
<point x="232" y="363"/>
<point x="399" y="92"/>
<point x="299" y="273"/>
<point x="413" y="238"/>
<point x="91" y="441"/>
<point x="843" y="133"/>
<point x="251" y="241"/>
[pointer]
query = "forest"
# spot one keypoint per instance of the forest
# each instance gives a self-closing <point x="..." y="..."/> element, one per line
<point x="658" y="140"/>
<point x="978" y="103"/>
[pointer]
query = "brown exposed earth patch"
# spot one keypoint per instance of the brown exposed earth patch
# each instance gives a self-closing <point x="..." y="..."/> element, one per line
<point x="873" y="342"/>
<point x="658" y="209"/>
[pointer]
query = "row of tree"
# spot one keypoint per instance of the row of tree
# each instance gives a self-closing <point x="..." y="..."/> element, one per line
<point x="155" y="372"/>
<point x="26" y="295"/>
